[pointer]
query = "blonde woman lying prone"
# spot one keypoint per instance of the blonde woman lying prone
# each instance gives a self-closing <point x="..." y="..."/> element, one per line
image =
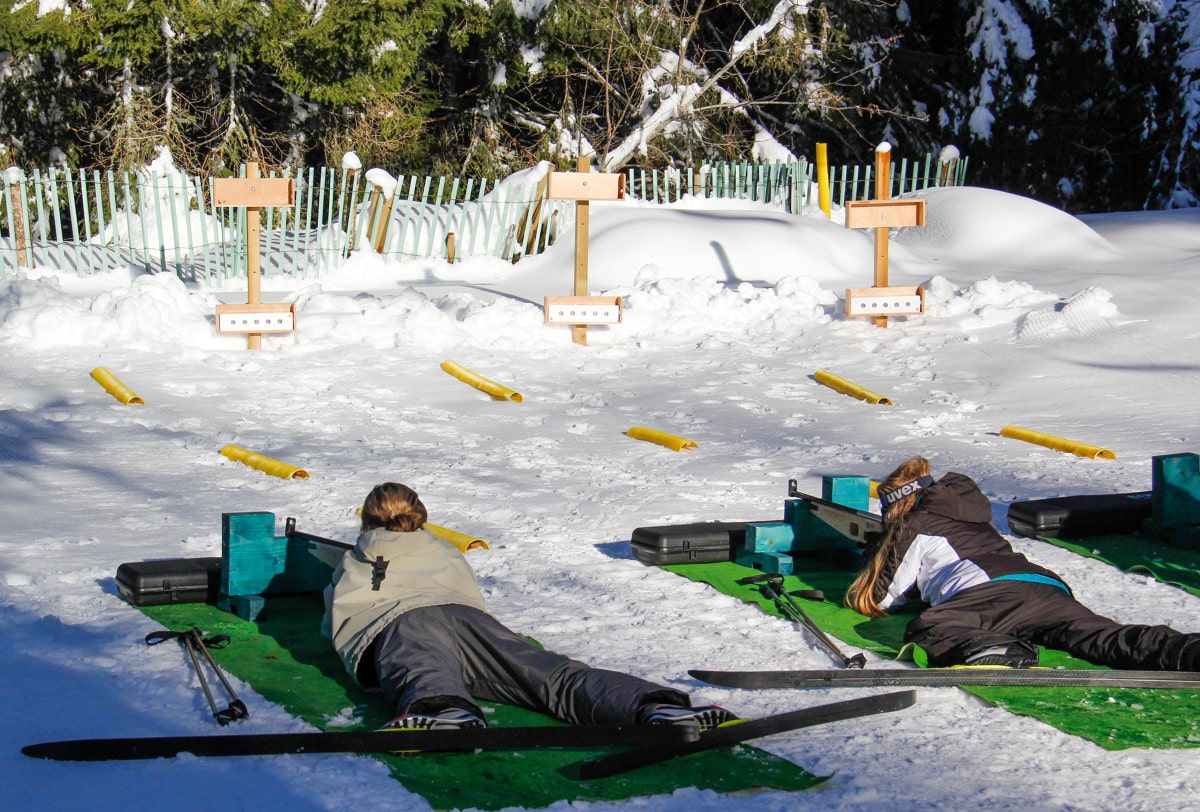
<point x="987" y="603"/>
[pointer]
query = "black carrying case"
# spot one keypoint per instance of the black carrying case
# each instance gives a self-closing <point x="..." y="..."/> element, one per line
<point x="698" y="543"/>
<point x="176" y="580"/>
<point x="1080" y="516"/>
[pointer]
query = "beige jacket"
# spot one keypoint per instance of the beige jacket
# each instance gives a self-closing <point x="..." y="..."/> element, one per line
<point x="422" y="570"/>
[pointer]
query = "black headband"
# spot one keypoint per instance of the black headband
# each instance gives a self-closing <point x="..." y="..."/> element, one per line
<point x="893" y="495"/>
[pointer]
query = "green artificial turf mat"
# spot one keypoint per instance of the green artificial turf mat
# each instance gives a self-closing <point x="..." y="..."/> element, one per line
<point x="1132" y="553"/>
<point x="1115" y="719"/>
<point x="283" y="656"/>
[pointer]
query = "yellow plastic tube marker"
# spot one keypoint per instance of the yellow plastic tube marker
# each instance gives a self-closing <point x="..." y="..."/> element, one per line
<point x="262" y="463"/>
<point x="1057" y="443"/>
<point x="114" y="387"/>
<point x="462" y="541"/>
<point x="497" y="391"/>
<point x="671" y="441"/>
<point x="852" y="389"/>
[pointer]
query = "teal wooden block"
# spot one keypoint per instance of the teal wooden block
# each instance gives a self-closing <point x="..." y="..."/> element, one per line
<point x="247" y="607"/>
<point x="255" y="562"/>
<point x="771" y="563"/>
<point x="768" y="537"/>
<point x="1175" y="500"/>
<point x="851" y="491"/>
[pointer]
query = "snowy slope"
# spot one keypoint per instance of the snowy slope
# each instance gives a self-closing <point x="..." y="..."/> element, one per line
<point x="1079" y="328"/>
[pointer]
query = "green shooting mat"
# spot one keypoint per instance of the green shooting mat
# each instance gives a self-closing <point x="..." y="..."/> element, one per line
<point x="1115" y="719"/>
<point x="286" y="660"/>
<point x="1133" y="553"/>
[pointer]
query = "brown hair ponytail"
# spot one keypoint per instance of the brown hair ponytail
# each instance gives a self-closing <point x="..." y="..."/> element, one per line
<point x="860" y="596"/>
<point x="395" y="507"/>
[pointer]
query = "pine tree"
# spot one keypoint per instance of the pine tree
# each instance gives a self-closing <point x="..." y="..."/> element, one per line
<point x="132" y="60"/>
<point x="42" y="97"/>
<point x="1074" y="102"/>
<point x="366" y="69"/>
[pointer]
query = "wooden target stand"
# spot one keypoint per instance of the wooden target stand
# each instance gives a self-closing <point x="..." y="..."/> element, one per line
<point x="580" y="310"/>
<point x="883" y="214"/>
<point x="254" y="318"/>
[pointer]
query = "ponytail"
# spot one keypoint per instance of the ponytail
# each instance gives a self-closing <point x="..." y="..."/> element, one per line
<point x="861" y="594"/>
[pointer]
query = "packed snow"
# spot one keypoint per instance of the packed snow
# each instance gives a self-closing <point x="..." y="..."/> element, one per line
<point x="1080" y="328"/>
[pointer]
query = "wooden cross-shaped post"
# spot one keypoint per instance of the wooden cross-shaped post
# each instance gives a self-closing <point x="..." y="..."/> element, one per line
<point x="252" y="193"/>
<point x="883" y="214"/>
<point x="583" y="186"/>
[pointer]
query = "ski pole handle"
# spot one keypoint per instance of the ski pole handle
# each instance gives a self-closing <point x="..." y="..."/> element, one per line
<point x="758" y="579"/>
<point x="154" y="638"/>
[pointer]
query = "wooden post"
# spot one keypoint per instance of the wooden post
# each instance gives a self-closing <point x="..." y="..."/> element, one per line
<point x="352" y="219"/>
<point x="582" y="219"/>
<point x="379" y="236"/>
<point x="20" y="236"/>
<point x="253" y="258"/>
<point x="946" y="172"/>
<point x="252" y="193"/>
<point x="583" y="187"/>
<point x="884" y="214"/>
<point x="883" y="191"/>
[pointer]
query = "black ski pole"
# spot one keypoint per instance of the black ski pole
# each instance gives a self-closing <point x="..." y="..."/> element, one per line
<point x="772" y="587"/>
<point x="237" y="709"/>
<point x="190" y="640"/>
<point x="191" y="650"/>
<point x="857" y="661"/>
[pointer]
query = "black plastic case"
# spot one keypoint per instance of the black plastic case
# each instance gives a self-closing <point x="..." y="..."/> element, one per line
<point x="698" y="543"/>
<point x="1080" y="516"/>
<point x="176" y="580"/>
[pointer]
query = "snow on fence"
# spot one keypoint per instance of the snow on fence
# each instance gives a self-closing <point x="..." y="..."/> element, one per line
<point x="450" y="218"/>
<point x="164" y="221"/>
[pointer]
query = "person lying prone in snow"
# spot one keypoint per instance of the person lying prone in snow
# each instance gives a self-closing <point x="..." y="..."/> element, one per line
<point x="988" y="604"/>
<point x="405" y="614"/>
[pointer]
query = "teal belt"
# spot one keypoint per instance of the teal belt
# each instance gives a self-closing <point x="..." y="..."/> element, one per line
<point x="1034" y="578"/>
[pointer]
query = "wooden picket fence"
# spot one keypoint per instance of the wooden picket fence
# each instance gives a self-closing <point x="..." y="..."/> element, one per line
<point x="89" y="222"/>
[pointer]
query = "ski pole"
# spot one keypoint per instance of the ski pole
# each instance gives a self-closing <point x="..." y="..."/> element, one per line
<point x="190" y="640"/>
<point x="237" y="708"/>
<point x="186" y="640"/>
<point x="857" y="661"/>
<point x="772" y="587"/>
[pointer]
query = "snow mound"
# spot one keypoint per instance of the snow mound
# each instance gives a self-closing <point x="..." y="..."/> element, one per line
<point x="974" y="225"/>
<point x="149" y="312"/>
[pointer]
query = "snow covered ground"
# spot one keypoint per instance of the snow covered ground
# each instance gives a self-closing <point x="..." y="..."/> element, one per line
<point x="1084" y="329"/>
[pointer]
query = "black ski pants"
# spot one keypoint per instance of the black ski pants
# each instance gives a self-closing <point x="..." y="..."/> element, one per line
<point x="1001" y="613"/>
<point x="439" y="656"/>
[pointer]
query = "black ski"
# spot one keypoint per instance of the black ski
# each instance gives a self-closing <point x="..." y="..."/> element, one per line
<point x="362" y="741"/>
<point x="736" y="732"/>
<point x="937" y="677"/>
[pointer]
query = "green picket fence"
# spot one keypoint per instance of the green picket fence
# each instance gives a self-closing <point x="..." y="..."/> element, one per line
<point x="89" y="222"/>
<point x="791" y="185"/>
